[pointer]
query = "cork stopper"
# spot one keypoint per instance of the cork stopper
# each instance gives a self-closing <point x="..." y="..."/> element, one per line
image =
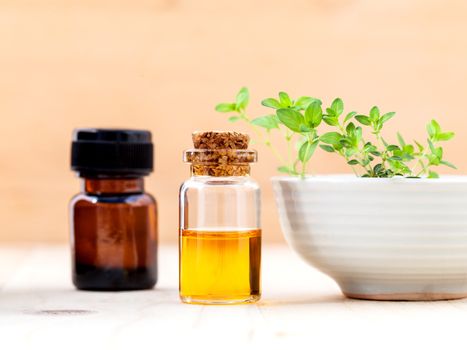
<point x="220" y="153"/>
<point x="220" y="140"/>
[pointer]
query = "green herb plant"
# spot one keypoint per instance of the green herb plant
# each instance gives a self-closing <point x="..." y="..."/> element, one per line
<point x="355" y="137"/>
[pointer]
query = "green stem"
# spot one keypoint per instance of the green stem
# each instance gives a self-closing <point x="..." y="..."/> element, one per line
<point x="265" y="141"/>
<point x="384" y="152"/>
<point x="288" y="138"/>
<point x="341" y="128"/>
<point x="289" y="148"/>
<point x="424" y="168"/>
<point x="310" y="141"/>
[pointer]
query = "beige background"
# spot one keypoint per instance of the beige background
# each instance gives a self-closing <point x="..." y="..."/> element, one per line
<point x="163" y="65"/>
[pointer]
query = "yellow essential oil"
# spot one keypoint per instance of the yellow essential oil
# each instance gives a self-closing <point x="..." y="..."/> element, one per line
<point x="220" y="267"/>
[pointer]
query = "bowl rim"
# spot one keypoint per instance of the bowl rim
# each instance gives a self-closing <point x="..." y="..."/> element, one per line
<point x="350" y="178"/>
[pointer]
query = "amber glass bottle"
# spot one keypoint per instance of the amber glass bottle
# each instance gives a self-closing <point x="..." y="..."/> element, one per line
<point x="113" y="221"/>
<point x="220" y="235"/>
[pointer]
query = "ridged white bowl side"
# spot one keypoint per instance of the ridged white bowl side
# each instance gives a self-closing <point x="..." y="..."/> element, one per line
<point x="380" y="238"/>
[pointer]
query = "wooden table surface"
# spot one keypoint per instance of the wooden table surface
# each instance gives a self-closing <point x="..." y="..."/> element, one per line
<point x="300" y="307"/>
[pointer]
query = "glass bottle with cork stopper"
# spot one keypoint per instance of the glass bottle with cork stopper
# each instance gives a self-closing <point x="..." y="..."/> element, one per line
<point x="220" y="231"/>
<point x="113" y="220"/>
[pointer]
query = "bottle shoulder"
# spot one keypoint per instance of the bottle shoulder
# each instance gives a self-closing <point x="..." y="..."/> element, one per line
<point x="138" y="199"/>
<point x="220" y="181"/>
<point x="209" y="183"/>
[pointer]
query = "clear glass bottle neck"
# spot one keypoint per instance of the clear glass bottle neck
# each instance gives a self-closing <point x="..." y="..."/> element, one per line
<point x="112" y="185"/>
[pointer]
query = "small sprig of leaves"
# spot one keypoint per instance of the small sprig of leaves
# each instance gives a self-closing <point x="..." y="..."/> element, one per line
<point x="300" y="122"/>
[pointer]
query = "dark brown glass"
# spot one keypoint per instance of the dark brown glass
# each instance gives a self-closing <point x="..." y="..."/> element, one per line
<point x="114" y="235"/>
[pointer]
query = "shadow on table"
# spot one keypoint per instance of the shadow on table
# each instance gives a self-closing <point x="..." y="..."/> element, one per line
<point x="304" y="300"/>
<point x="72" y="302"/>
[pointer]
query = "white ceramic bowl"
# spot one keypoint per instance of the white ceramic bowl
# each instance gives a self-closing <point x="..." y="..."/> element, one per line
<point x="381" y="239"/>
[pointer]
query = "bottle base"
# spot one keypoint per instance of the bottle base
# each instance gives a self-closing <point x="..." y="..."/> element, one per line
<point x="209" y="300"/>
<point x="93" y="278"/>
